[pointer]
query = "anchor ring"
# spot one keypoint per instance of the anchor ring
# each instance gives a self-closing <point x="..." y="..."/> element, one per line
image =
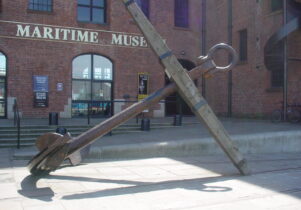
<point x="230" y="50"/>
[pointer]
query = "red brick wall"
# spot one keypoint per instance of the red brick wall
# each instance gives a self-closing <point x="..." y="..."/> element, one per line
<point x="252" y="93"/>
<point x="294" y="74"/>
<point x="27" y="57"/>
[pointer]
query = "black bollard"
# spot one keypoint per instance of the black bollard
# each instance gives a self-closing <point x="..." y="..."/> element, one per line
<point x="177" y="120"/>
<point x="145" y="124"/>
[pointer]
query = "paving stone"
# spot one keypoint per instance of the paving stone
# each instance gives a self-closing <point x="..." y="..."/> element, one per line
<point x="46" y="207"/>
<point x="200" y="182"/>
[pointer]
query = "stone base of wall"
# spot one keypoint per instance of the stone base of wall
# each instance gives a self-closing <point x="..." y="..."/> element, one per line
<point x="67" y="110"/>
<point x="161" y="111"/>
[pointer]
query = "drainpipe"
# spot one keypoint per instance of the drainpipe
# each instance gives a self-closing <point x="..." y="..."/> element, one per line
<point x="230" y="26"/>
<point x="203" y="44"/>
<point x="285" y="71"/>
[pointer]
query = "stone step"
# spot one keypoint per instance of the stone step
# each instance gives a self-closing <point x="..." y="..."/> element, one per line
<point x="30" y="141"/>
<point x="26" y="127"/>
<point x="72" y="128"/>
<point x="74" y="131"/>
<point x="29" y="134"/>
<point x="11" y="145"/>
<point x="39" y="130"/>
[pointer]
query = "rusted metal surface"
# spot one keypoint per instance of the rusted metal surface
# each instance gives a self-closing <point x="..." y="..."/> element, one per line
<point x="51" y="157"/>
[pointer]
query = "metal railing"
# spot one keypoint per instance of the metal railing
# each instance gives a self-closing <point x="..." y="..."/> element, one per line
<point x="17" y="122"/>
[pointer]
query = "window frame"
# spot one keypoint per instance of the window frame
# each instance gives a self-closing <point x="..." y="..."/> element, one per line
<point x="145" y="7"/>
<point x="91" y="7"/>
<point x="48" y="4"/>
<point x="275" y="6"/>
<point x="4" y="77"/>
<point x="277" y="74"/>
<point x="277" y="79"/>
<point x="92" y="101"/>
<point x="243" y="45"/>
<point x="2" y="54"/>
<point x="181" y="21"/>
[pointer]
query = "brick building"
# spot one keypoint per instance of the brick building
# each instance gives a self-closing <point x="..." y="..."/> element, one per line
<point x="260" y="31"/>
<point x="66" y="56"/>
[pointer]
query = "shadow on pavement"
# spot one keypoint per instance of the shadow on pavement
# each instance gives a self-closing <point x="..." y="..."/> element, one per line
<point x="278" y="173"/>
<point x="30" y="190"/>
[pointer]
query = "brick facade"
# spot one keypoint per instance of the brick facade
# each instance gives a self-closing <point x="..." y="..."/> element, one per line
<point x="52" y="58"/>
<point x="252" y="93"/>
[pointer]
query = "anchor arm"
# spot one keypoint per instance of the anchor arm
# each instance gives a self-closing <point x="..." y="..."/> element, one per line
<point x="61" y="147"/>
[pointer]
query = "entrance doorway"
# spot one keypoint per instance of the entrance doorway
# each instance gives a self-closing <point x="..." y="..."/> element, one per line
<point x="2" y="85"/>
<point x="92" y="85"/>
<point x="174" y="104"/>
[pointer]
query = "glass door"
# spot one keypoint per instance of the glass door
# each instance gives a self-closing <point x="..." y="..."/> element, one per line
<point x="92" y="86"/>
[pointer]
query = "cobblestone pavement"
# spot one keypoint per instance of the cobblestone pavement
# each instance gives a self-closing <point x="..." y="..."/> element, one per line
<point x="199" y="182"/>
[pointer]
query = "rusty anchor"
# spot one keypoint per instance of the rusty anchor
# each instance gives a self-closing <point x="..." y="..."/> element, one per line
<point x="55" y="148"/>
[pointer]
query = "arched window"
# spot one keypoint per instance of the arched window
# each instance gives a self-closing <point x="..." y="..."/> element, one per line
<point x="92" y="80"/>
<point x="2" y="85"/>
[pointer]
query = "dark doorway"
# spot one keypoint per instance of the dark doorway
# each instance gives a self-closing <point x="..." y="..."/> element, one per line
<point x="174" y="104"/>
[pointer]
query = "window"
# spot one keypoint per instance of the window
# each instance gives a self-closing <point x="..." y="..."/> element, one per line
<point x="2" y="65"/>
<point x="2" y="85"/>
<point x="40" y="5"/>
<point x="144" y="5"/>
<point x="276" y="5"/>
<point x="276" y="62"/>
<point x="91" y="11"/>
<point x="181" y="13"/>
<point x="243" y="45"/>
<point x="277" y="77"/>
<point x="92" y="81"/>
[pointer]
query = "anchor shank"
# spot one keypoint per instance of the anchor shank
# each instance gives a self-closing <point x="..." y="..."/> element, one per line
<point x="105" y="127"/>
<point x="186" y="87"/>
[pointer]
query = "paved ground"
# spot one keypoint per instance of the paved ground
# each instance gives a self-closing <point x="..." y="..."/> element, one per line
<point x="174" y="183"/>
<point x="199" y="182"/>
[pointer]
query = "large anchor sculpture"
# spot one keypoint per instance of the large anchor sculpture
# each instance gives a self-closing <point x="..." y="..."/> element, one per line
<point x="55" y="148"/>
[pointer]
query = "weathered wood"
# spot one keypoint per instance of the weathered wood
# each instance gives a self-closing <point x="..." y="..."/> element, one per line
<point x="186" y="87"/>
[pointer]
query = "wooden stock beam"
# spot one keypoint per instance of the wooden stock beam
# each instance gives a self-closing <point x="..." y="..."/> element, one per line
<point x="186" y="87"/>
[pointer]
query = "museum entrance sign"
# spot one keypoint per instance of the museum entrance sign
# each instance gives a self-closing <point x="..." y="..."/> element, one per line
<point x="54" y="33"/>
